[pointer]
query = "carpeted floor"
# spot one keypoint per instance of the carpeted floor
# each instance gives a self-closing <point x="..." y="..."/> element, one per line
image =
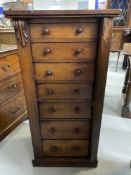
<point x="115" y="140"/>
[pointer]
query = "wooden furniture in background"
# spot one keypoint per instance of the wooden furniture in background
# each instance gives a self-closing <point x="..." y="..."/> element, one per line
<point x="64" y="60"/>
<point x="126" y="92"/>
<point x="7" y="36"/>
<point x="12" y="100"/>
<point x="19" y="5"/>
<point x="122" y="25"/>
<point x="120" y="35"/>
<point x="117" y="42"/>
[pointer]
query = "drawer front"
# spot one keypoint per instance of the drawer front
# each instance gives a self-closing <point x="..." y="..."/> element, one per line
<point x="65" y="129"/>
<point x="9" y="65"/>
<point x="64" y="51"/>
<point x="68" y="109"/>
<point x="10" y="87"/>
<point x="69" y="30"/>
<point x="64" y="91"/>
<point x="11" y="110"/>
<point x="68" y="148"/>
<point x="64" y="71"/>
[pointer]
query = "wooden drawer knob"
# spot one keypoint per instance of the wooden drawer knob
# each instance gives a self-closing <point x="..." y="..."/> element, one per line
<point x="79" y="30"/>
<point x="15" y="111"/>
<point x="76" y="148"/>
<point x="54" y="149"/>
<point x="52" y="130"/>
<point x="48" y="73"/>
<point x="50" y="92"/>
<point x="77" y="92"/>
<point x="76" y="131"/>
<point x="11" y="86"/>
<point x="5" y="67"/>
<point x="78" y="72"/>
<point x="78" y="51"/>
<point x="51" y="109"/>
<point x="46" y="31"/>
<point x="47" y="51"/>
<point x="76" y="109"/>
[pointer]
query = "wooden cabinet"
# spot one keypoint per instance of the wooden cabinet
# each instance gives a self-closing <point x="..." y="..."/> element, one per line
<point x="64" y="60"/>
<point x="12" y="100"/>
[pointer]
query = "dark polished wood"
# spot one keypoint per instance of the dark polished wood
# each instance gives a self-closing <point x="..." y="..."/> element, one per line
<point x="66" y="148"/>
<point x="64" y="91"/>
<point x="61" y="13"/>
<point x="64" y="59"/>
<point x="64" y="71"/>
<point x="50" y="52"/>
<point x="71" y="129"/>
<point x="12" y="100"/>
<point x="65" y="109"/>
<point x="61" y="31"/>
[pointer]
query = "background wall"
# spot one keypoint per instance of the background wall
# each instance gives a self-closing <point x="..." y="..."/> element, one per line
<point x="64" y="4"/>
<point x="60" y="4"/>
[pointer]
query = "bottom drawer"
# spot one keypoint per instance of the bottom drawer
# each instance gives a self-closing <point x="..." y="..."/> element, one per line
<point x="74" y="148"/>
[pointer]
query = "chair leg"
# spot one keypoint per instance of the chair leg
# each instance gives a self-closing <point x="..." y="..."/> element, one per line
<point x="124" y="66"/>
<point x="126" y="110"/>
<point x="117" y="60"/>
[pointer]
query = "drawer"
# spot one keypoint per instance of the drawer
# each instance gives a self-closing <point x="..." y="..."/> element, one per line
<point x="64" y="71"/>
<point x="64" y="51"/>
<point x="67" y="129"/>
<point x="9" y="65"/>
<point x="67" y="148"/>
<point x="10" y="87"/>
<point x="11" y="110"/>
<point x="64" y="91"/>
<point x="68" y="109"/>
<point x="69" y="30"/>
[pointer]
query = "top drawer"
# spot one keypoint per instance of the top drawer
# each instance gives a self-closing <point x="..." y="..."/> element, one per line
<point x="61" y="31"/>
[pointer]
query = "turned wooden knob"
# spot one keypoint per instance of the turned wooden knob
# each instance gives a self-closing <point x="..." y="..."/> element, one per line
<point x="76" y="109"/>
<point x="51" y="109"/>
<point x="54" y="148"/>
<point x="79" y="30"/>
<point x="76" y="92"/>
<point x="49" y="73"/>
<point x="47" y="51"/>
<point x="78" y="51"/>
<point x="52" y="130"/>
<point x="76" y="131"/>
<point x="78" y="72"/>
<point x="45" y="31"/>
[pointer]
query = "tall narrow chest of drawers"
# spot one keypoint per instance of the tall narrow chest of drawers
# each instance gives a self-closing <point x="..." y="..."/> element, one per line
<point x="64" y="59"/>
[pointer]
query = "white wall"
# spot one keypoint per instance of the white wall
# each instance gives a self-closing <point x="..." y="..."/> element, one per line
<point x="65" y="4"/>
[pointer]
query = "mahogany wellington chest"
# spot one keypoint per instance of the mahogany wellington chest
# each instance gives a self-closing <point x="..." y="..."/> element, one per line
<point x="64" y="60"/>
